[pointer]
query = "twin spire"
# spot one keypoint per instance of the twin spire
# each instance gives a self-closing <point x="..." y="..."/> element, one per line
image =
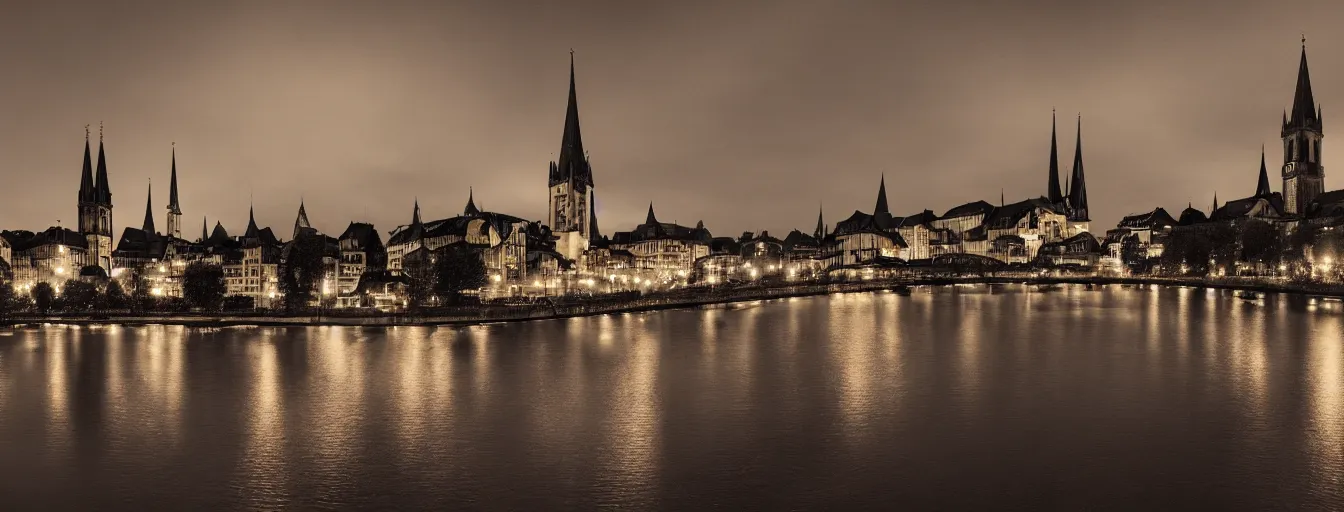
<point x="91" y="191"/>
<point x="1076" y="184"/>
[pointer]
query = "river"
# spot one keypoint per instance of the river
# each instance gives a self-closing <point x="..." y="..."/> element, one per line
<point x="956" y="398"/>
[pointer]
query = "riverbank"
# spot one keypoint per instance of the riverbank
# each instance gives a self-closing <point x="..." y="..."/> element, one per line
<point x="690" y="299"/>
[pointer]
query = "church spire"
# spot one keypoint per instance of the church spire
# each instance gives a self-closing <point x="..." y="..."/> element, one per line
<point x="104" y="189"/>
<point x="593" y="233"/>
<point x="301" y="224"/>
<point x="1215" y="204"/>
<point x="881" y="206"/>
<point x="173" y="207"/>
<point x="1262" y="186"/>
<point x="471" y="203"/>
<point x="148" y="226"/>
<point x="820" y="232"/>
<point x="573" y="161"/>
<point x="1078" y="194"/>
<point x="1304" y="103"/>
<point x="87" y="192"/>
<point x="650" y="219"/>
<point x="205" y="234"/>
<point x="1053" y="193"/>
<point x="252" y="230"/>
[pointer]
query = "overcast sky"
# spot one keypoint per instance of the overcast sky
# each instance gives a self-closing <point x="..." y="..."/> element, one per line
<point x="745" y="114"/>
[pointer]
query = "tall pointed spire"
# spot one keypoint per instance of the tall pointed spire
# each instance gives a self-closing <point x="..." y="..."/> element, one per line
<point x="820" y="232"/>
<point x="881" y="206"/>
<point x="471" y="203"/>
<point x="1304" y="103"/>
<point x="573" y="161"/>
<point x="650" y="219"/>
<point x="88" y="193"/>
<point x="173" y="207"/>
<point x="593" y="232"/>
<point x="103" y="187"/>
<point x="1053" y="193"/>
<point x="1215" y="204"/>
<point x="1078" y="194"/>
<point x="301" y="224"/>
<point x="205" y="233"/>
<point x="1262" y="186"/>
<point x="252" y="230"/>
<point x="148" y="226"/>
<point x="415" y="217"/>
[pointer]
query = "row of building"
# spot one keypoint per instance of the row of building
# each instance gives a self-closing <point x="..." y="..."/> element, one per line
<point x="567" y="253"/>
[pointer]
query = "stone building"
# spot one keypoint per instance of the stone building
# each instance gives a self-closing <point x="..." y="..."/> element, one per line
<point x="571" y="215"/>
<point x="661" y="250"/>
<point x="1303" y="170"/>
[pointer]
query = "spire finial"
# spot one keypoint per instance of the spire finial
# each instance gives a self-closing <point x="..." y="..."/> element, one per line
<point x="86" y="133"/>
<point x="1304" y="41"/>
<point x="100" y="131"/>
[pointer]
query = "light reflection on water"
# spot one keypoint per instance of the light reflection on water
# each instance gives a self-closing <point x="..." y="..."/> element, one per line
<point x="975" y="398"/>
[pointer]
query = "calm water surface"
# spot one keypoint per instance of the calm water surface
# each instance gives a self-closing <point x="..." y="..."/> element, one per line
<point x="958" y="398"/>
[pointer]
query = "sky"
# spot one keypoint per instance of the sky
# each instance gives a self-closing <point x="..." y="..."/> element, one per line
<point x="748" y="115"/>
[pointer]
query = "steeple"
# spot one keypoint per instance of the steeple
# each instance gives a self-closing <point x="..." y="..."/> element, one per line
<point x="820" y="232"/>
<point x="881" y="206"/>
<point x="87" y="192"/>
<point x="173" y="207"/>
<point x="650" y="219"/>
<point x="1053" y="192"/>
<point x="174" y="210"/>
<point x="148" y="226"/>
<point x="1262" y="186"/>
<point x="471" y="203"/>
<point x="573" y="161"/>
<point x="301" y="224"/>
<point x="252" y="230"/>
<point x="593" y="233"/>
<point x="1215" y="204"/>
<point x="205" y="234"/>
<point x="1078" y="194"/>
<point x="104" y="190"/>
<point x="415" y="217"/>
<point x="1304" y="114"/>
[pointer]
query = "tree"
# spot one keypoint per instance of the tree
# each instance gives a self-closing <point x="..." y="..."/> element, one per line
<point x="10" y="302"/>
<point x="420" y="277"/>
<point x="300" y="269"/>
<point x="43" y="296"/>
<point x="79" y="296"/>
<point x="115" y="296"/>
<point x="1260" y="243"/>
<point x="458" y="269"/>
<point x="141" y="300"/>
<point x="203" y="285"/>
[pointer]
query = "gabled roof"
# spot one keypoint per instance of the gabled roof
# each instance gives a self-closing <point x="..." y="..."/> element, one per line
<point x="921" y="218"/>
<point x="1271" y="206"/>
<point x="798" y="240"/>
<point x="1156" y="219"/>
<point x="25" y="240"/>
<point x="969" y="209"/>
<point x="1009" y="215"/>
<point x="363" y="234"/>
<point x="1327" y="204"/>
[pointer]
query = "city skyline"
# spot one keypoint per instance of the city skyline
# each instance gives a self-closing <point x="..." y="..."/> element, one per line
<point x="766" y="177"/>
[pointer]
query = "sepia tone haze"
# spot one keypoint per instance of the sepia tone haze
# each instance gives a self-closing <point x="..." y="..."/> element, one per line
<point x="744" y="114"/>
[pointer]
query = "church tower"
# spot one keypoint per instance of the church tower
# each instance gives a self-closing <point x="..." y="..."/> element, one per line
<point x="174" y="211"/>
<point x="95" y="205"/>
<point x="571" y="184"/>
<point x="1303" y="174"/>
